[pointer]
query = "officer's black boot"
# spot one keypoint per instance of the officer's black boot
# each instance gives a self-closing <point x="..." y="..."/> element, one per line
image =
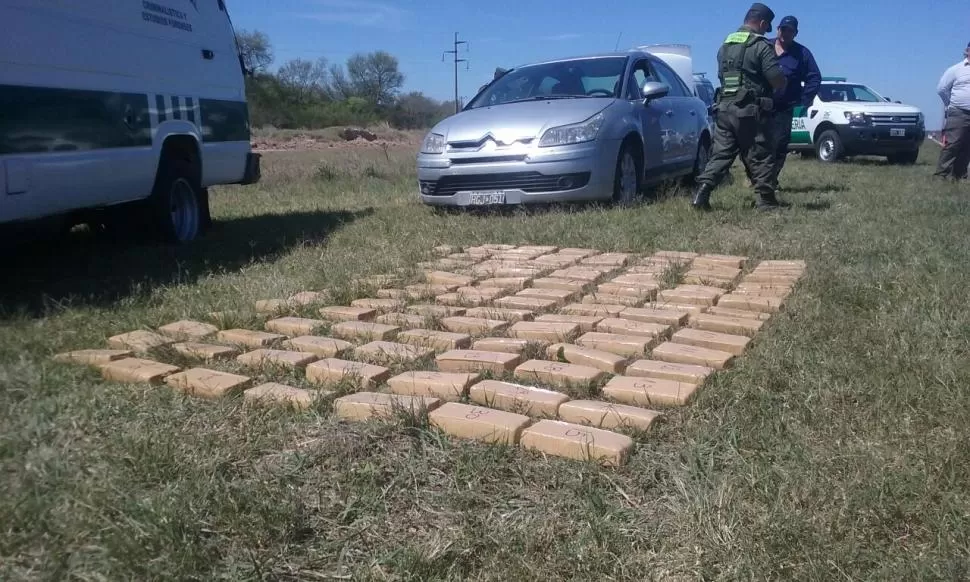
<point x="702" y="197"/>
<point x="770" y="202"/>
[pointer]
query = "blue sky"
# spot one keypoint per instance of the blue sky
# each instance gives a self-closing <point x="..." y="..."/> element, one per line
<point x="898" y="48"/>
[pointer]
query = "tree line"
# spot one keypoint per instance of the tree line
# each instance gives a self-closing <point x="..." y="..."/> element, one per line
<point x="314" y="94"/>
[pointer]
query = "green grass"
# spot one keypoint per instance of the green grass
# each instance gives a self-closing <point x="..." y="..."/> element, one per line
<point x="836" y="449"/>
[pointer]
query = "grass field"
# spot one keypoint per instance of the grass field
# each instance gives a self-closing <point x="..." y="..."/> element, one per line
<point x="836" y="449"/>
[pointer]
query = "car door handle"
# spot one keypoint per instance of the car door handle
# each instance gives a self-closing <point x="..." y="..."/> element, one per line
<point x="669" y="113"/>
<point x="692" y="112"/>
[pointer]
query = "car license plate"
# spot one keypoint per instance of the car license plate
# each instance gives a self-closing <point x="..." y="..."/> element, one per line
<point x="484" y="198"/>
<point x="897" y="132"/>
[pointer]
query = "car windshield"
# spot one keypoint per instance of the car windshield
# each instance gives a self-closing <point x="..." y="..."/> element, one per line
<point x="850" y="93"/>
<point x="579" y="78"/>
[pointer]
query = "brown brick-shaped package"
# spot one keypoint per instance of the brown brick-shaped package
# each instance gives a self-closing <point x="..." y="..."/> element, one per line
<point x="208" y="383"/>
<point x="574" y="441"/>
<point x="479" y="423"/>
<point x="517" y="398"/>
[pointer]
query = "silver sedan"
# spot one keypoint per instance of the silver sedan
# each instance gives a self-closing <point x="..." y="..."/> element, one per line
<point x="590" y="128"/>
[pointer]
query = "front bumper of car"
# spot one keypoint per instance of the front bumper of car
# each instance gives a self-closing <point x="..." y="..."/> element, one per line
<point x="570" y="173"/>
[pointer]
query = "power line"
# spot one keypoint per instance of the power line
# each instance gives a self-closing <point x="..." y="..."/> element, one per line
<point x="456" y="61"/>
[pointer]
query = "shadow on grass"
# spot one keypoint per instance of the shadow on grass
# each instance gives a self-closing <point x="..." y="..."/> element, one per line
<point x="818" y="205"/>
<point x="85" y="268"/>
<point x="813" y="189"/>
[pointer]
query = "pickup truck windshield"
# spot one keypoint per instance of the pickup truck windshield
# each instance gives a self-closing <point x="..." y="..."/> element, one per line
<point x="851" y="93"/>
<point x="573" y="79"/>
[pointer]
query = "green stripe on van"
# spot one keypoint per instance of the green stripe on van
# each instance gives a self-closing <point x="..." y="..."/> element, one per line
<point x="224" y="120"/>
<point x="45" y="119"/>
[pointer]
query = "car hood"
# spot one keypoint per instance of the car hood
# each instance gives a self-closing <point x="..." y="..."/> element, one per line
<point x="515" y="121"/>
<point x="874" y="107"/>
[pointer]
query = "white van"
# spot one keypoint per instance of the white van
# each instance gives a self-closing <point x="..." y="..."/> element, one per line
<point x="122" y="108"/>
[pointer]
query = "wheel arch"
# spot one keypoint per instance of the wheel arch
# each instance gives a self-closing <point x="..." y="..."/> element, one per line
<point x="822" y="128"/>
<point x="183" y="147"/>
<point x="705" y="136"/>
<point x="634" y="139"/>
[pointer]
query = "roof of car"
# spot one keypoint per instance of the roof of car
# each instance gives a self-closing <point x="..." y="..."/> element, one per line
<point x="624" y="54"/>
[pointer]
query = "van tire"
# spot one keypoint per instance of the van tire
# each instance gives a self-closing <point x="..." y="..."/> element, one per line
<point x="178" y="206"/>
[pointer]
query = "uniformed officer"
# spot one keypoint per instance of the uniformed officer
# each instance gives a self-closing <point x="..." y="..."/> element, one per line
<point x="749" y="73"/>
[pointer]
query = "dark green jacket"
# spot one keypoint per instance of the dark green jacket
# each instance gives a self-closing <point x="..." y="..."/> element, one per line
<point x="760" y="63"/>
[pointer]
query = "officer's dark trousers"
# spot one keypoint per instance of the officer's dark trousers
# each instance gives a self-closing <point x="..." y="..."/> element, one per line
<point x="955" y="156"/>
<point x="780" y="135"/>
<point x="748" y="137"/>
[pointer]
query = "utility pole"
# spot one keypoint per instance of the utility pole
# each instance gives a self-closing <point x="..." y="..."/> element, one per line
<point x="456" y="61"/>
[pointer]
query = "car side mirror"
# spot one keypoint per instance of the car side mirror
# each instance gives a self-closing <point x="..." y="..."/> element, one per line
<point x="653" y="90"/>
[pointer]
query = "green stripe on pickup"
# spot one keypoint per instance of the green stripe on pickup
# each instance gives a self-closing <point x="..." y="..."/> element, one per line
<point x="801" y="137"/>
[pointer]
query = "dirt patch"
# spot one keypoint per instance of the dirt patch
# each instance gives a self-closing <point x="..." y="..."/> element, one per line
<point x="312" y="144"/>
<point x="274" y="140"/>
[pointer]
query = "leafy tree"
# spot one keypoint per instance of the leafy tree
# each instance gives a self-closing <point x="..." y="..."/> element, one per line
<point x="415" y="110"/>
<point x="306" y="79"/>
<point x="375" y="77"/>
<point x="313" y="94"/>
<point x="255" y="50"/>
<point x="340" y="86"/>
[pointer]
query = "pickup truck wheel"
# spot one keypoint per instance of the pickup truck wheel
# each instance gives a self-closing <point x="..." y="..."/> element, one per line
<point x="829" y="147"/>
<point x="626" y="181"/>
<point x="177" y="202"/>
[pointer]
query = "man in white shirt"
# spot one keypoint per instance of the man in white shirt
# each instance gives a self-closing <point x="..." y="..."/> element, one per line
<point x="954" y="90"/>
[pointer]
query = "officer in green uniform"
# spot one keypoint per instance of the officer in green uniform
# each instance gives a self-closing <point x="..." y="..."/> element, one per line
<point x="749" y="73"/>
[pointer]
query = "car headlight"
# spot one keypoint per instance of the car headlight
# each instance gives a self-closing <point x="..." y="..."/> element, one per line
<point x="575" y="133"/>
<point x="856" y="118"/>
<point x="434" y="143"/>
<point x="920" y="120"/>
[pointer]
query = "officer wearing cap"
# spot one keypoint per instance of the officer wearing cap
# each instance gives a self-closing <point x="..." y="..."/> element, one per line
<point x="954" y="91"/>
<point x="749" y="73"/>
<point x="804" y="79"/>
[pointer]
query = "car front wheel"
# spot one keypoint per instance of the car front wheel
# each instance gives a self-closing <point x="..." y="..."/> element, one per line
<point x="626" y="182"/>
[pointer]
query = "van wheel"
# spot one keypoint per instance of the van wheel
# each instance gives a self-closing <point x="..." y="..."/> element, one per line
<point x="627" y="180"/>
<point x="178" y="205"/>
<point x="829" y="147"/>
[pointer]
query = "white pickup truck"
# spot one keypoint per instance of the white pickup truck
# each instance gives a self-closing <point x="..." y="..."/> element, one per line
<point x="850" y="119"/>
